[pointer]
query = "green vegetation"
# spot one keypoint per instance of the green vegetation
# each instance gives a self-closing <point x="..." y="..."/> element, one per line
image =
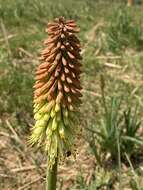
<point x="116" y="129"/>
<point x="110" y="151"/>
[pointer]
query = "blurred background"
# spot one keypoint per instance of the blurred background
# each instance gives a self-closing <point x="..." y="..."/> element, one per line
<point x="111" y="34"/>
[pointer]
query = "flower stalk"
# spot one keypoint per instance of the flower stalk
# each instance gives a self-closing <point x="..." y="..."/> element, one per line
<point x="51" y="177"/>
<point x="57" y="94"/>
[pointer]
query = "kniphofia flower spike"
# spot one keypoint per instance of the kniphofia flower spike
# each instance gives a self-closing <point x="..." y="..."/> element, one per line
<point x="57" y="90"/>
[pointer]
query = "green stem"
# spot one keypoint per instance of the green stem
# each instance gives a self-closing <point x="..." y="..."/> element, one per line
<point x="119" y="159"/>
<point x="102" y="85"/>
<point x="51" y="177"/>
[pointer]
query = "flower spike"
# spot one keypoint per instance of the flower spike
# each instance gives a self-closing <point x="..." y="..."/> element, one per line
<point x="57" y="90"/>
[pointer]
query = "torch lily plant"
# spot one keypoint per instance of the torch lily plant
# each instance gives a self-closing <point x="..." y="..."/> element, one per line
<point x="57" y="93"/>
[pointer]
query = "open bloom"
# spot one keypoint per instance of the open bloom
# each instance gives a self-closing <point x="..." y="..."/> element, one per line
<point x="57" y="90"/>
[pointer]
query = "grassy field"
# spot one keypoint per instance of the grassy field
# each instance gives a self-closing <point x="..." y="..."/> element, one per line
<point x="112" y="48"/>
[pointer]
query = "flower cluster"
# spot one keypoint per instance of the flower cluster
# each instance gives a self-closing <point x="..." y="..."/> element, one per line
<point x="57" y="90"/>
